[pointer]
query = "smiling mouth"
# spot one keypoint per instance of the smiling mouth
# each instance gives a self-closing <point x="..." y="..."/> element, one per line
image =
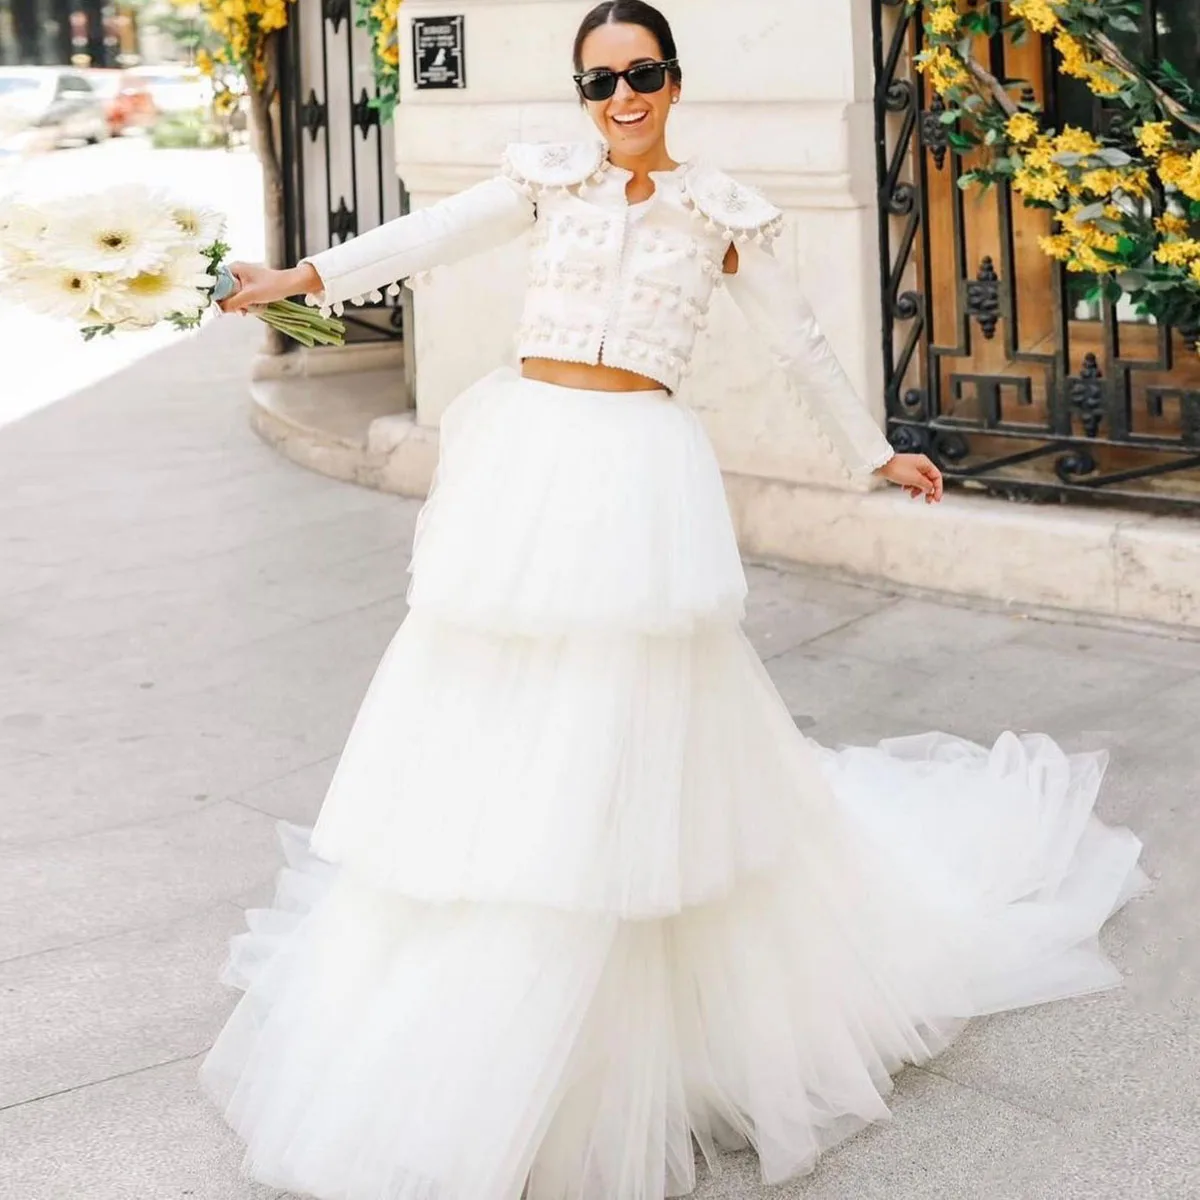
<point x="626" y="120"/>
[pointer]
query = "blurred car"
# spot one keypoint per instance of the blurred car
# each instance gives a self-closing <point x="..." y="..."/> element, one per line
<point x="127" y="100"/>
<point x="173" y="87"/>
<point x="42" y="108"/>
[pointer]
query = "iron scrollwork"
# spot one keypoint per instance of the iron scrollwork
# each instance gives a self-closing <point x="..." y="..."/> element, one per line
<point x="1126" y="425"/>
<point x="1086" y="394"/>
<point x="339" y="178"/>
<point x="983" y="297"/>
<point x="935" y="135"/>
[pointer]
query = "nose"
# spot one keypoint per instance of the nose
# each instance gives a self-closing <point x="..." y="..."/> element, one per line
<point x="624" y="91"/>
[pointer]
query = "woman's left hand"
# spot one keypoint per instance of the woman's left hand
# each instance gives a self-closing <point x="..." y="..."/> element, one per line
<point x="915" y="474"/>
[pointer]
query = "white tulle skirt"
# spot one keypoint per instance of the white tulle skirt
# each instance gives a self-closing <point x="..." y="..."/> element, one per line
<point x="581" y="899"/>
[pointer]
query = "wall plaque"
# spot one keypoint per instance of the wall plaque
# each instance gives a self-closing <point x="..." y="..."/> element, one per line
<point x="439" y="52"/>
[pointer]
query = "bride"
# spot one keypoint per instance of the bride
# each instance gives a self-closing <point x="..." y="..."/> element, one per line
<point x="580" y="898"/>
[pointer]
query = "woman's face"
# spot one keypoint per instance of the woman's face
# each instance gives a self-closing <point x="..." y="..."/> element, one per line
<point x="632" y="123"/>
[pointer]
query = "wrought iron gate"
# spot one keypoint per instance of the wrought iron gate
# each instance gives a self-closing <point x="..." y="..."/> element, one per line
<point x="995" y="364"/>
<point x="339" y="168"/>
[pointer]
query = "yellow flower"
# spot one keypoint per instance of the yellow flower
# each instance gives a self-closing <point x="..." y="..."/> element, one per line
<point x="1039" y="14"/>
<point x="1077" y="62"/>
<point x="1172" y="168"/>
<point x="1039" y="186"/>
<point x="1102" y="181"/>
<point x="1087" y="260"/>
<point x="1041" y="156"/>
<point x="1075" y="141"/>
<point x="944" y="20"/>
<point x="1058" y="245"/>
<point x="943" y="68"/>
<point x="1021" y="127"/>
<point x="1075" y="59"/>
<point x="1105" y="83"/>
<point x="1172" y="223"/>
<point x="1181" y="172"/>
<point x="1178" y="254"/>
<point x="1154" y="137"/>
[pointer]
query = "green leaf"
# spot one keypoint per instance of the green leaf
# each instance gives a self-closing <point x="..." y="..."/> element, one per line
<point x="1132" y="281"/>
<point x="1114" y="157"/>
<point x="1124" y="24"/>
<point x="962" y="141"/>
<point x="949" y="117"/>
<point x="1089" y="212"/>
<point x="1068" y="158"/>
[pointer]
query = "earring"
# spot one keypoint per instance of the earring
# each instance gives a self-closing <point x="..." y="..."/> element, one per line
<point x="674" y="99"/>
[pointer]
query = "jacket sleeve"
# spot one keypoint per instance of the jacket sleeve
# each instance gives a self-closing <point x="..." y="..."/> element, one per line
<point x="765" y="291"/>
<point x="483" y="216"/>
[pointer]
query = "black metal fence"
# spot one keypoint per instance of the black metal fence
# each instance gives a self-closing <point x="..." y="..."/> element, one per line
<point x="339" y="169"/>
<point x="996" y="363"/>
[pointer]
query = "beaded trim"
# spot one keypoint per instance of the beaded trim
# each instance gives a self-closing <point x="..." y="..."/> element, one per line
<point x="538" y="167"/>
<point x="720" y="202"/>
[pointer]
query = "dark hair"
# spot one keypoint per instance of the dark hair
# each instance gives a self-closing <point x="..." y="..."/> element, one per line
<point x="629" y="12"/>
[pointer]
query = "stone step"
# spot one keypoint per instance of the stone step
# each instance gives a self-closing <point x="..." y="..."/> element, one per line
<point x="344" y="414"/>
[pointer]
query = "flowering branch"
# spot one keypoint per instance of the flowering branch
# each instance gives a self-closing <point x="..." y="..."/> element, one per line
<point x="1125" y="207"/>
<point x="380" y="18"/>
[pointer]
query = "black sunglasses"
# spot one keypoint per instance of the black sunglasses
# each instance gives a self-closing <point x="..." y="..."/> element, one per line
<point x="644" y="78"/>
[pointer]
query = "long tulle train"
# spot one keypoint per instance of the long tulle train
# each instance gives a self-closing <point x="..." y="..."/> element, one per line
<point x="581" y="899"/>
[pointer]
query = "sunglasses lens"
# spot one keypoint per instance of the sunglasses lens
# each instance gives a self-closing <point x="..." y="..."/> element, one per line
<point x="600" y="86"/>
<point x="647" y="79"/>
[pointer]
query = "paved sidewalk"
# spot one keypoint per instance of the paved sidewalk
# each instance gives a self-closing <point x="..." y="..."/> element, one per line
<point x="187" y="624"/>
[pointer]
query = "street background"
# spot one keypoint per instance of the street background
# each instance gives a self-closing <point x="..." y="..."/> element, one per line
<point x="187" y="625"/>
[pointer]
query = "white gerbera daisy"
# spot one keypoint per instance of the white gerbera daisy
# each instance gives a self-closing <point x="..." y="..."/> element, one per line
<point x="180" y="284"/>
<point x="201" y="226"/>
<point x="55" y="291"/>
<point x="125" y="232"/>
<point x="20" y="228"/>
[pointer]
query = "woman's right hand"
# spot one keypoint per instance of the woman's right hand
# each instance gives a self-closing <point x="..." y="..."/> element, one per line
<point x="259" y="285"/>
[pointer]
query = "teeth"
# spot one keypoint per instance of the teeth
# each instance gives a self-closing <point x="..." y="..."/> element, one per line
<point x="630" y="120"/>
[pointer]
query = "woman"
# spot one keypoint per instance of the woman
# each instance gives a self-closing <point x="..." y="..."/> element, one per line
<point x="580" y="897"/>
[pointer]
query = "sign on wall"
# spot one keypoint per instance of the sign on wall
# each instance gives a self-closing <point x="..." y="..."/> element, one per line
<point x="439" y="55"/>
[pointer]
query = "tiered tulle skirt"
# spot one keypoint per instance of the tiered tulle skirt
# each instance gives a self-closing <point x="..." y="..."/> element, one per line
<point x="582" y="900"/>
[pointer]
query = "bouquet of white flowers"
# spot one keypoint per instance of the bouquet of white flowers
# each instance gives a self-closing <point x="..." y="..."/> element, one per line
<point x="130" y="258"/>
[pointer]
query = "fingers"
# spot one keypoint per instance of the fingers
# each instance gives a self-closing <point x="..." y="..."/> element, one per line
<point x="936" y="483"/>
<point x="243" y="298"/>
<point x="239" y="302"/>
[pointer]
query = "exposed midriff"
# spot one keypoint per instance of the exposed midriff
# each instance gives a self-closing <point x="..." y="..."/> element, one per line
<point x="592" y="377"/>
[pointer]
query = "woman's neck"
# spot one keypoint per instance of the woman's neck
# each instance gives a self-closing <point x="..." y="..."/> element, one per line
<point x="640" y="165"/>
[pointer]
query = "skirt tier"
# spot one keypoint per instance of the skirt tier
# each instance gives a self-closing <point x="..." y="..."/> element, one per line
<point x="581" y="899"/>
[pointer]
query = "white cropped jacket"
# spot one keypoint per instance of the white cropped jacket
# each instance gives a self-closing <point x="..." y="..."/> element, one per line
<point x="603" y="288"/>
